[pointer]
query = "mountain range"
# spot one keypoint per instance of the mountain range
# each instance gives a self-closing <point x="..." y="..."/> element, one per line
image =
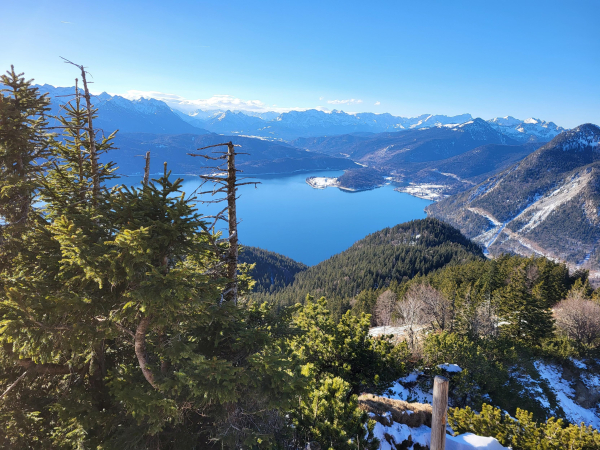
<point x="155" y="116"/>
<point x="546" y="204"/>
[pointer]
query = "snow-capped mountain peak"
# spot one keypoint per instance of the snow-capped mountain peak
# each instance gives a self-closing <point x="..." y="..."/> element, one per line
<point x="579" y="138"/>
<point x="532" y="130"/>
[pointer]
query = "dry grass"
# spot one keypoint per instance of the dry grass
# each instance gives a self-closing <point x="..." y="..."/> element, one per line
<point x="412" y="414"/>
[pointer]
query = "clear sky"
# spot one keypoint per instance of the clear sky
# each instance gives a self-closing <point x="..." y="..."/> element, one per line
<point x="488" y="58"/>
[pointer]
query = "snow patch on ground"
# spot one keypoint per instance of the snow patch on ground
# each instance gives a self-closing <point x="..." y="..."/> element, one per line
<point x="395" y="331"/>
<point x="322" y="182"/>
<point x="565" y="393"/>
<point x="399" y="433"/>
<point x="408" y="389"/>
<point x="579" y="364"/>
<point x="426" y="191"/>
<point x="450" y="368"/>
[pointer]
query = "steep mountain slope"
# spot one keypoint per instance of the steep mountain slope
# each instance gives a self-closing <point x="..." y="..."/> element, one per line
<point x="392" y="254"/>
<point x="549" y="203"/>
<point x="480" y="163"/>
<point x="262" y="156"/>
<point x="272" y="271"/>
<point x="129" y="116"/>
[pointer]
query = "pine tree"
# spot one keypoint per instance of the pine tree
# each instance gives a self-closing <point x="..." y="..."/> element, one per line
<point x="526" y="317"/>
<point x="113" y="329"/>
<point x="24" y="142"/>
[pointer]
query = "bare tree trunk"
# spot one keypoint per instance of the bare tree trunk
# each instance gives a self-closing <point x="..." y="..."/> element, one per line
<point x="233" y="233"/>
<point x="78" y="143"/>
<point x="92" y="137"/>
<point x="147" y="169"/>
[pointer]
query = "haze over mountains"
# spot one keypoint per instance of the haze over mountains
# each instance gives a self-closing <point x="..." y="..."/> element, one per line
<point x="155" y="116"/>
<point x="510" y="188"/>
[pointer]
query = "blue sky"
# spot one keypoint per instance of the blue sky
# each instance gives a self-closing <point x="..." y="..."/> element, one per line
<point x="490" y="59"/>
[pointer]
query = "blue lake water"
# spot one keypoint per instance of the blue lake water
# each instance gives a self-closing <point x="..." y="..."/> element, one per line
<point x="287" y="216"/>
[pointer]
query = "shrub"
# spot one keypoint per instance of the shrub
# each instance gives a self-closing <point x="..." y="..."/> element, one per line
<point x="522" y="433"/>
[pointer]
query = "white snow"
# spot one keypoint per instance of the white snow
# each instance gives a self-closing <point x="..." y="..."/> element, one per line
<point x="322" y="182"/>
<point x="396" y="331"/>
<point x="450" y="368"/>
<point x="578" y="363"/>
<point x="422" y="436"/>
<point x="410" y="393"/>
<point x="470" y="441"/>
<point x="526" y="130"/>
<point x="565" y="393"/>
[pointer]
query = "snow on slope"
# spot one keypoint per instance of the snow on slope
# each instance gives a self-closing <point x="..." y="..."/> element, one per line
<point x="526" y="130"/>
<point x="543" y="207"/>
<point x="565" y="394"/>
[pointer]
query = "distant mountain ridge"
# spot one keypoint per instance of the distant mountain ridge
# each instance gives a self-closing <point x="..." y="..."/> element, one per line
<point x="155" y="116"/>
<point x="128" y="116"/>
<point x="549" y="203"/>
<point x="529" y="130"/>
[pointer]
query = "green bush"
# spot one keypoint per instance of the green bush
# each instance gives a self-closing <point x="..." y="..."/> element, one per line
<point x="522" y="433"/>
<point x="329" y="416"/>
<point x="483" y="362"/>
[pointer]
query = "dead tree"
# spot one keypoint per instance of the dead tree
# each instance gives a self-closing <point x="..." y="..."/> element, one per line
<point x="90" y="130"/>
<point x="147" y="169"/>
<point x="224" y="177"/>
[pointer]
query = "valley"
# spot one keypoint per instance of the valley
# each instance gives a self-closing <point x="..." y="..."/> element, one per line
<point x="444" y="159"/>
<point x="299" y="225"/>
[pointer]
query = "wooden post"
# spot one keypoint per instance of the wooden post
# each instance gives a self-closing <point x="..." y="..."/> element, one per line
<point x="440" y="412"/>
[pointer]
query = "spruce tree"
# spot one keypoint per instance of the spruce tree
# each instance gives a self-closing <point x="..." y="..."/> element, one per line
<point x="24" y="143"/>
<point x="523" y="316"/>
<point x="114" y="332"/>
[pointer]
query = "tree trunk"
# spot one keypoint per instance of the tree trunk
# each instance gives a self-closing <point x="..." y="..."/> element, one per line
<point x="140" y="350"/>
<point x="232" y="291"/>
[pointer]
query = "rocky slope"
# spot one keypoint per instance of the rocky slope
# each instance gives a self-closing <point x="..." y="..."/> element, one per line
<point x="548" y="204"/>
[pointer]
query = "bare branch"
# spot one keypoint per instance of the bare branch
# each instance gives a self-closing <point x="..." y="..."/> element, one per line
<point x="218" y="145"/>
<point x="44" y="369"/>
<point x="12" y="386"/>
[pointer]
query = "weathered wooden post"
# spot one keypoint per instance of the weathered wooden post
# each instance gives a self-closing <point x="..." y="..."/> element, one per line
<point x="439" y="414"/>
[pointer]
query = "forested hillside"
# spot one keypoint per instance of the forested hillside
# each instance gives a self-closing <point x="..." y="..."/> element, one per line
<point x="392" y="255"/>
<point x="272" y="271"/>
<point x="361" y="179"/>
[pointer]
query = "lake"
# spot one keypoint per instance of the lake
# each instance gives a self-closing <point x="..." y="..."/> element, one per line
<point x="285" y="215"/>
